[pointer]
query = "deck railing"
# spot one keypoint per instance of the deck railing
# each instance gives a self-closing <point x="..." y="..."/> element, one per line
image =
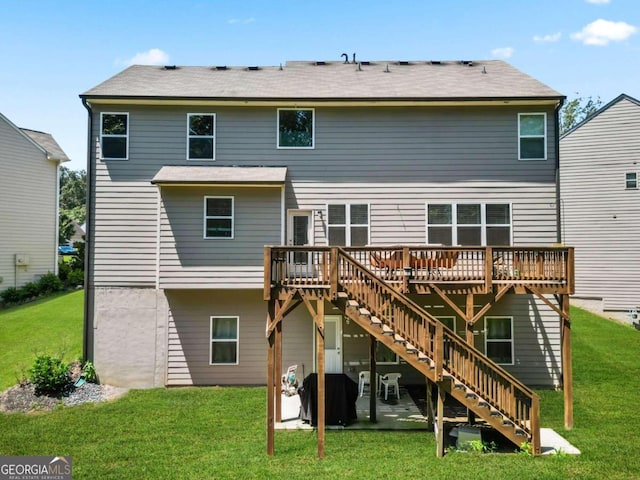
<point x="415" y="265"/>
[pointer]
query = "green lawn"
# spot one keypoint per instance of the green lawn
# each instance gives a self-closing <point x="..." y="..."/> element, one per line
<point x="220" y="432"/>
<point x="52" y="325"/>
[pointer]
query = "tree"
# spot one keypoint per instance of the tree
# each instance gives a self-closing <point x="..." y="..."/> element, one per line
<point x="576" y="110"/>
<point x="73" y="194"/>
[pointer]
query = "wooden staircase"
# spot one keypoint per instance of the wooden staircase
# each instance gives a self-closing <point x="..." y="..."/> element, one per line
<point x="464" y="372"/>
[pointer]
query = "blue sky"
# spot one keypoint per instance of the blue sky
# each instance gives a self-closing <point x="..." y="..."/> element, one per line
<point x="53" y="51"/>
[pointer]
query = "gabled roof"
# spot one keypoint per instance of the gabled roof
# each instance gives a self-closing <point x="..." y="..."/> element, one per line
<point x="619" y="98"/>
<point x="194" y="175"/>
<point x="489" y="80"/>
<point x="48" y="143"/>
<point x="42" y="141"/>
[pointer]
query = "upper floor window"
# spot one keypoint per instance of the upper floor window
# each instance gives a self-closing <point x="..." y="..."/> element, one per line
<point x="224" y="341"/>
<point x="469" y="224"/>
<point x="532" y="136"/>
<point x="631" y="180"/>
<point x="348" y="224"/>
<point x="218" y="217"/>
<point x="296" y="127"/>
<point x="114" y="135"/>
<point x="201" y="139"/>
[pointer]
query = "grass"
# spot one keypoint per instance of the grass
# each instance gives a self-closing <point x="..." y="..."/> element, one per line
<point x="52" y="325"/>
<point x="220" y="432"/>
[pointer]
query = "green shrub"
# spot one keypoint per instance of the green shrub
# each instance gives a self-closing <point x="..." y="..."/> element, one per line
<point x="50" y="375"/>
<point x="28" y="291"/>
<point x="75" y="278"/>
<point x="49" y="283"/>
<point x="63" y="271"/>
<point x="89" y="372"/>
<point x="11" y="295"/>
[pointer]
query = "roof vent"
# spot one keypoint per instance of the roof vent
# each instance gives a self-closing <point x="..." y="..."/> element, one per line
<point x="321" y="63"/>
<point x="253" y="68"/>
<point x="403" y="62"/>
<point x="222" y="67"/>
<point x="467" y="62"/>
<point x="365" y="63"/>
<point x="170" y="67"/>
<point x="436" y="62"/>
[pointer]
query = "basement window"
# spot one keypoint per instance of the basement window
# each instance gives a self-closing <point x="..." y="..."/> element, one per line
<point x="532" y="136"/>
<point x="114" y="136"/>
<point x="296" y="128"/>
<point x="224" y="341"/>
<point x="499" y="339"/>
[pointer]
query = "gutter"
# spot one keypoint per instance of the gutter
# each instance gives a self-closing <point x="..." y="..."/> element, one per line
<point x="87" y="345"/>
<point x="558" y="199"/>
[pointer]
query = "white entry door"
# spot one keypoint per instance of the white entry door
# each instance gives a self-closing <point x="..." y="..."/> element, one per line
<point x="333" y="344"/>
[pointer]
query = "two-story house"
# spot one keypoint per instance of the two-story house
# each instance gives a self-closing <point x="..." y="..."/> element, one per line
<point x="29" y="184"/>
<point x="600" y="176"/>
<point x="193" y="170"/>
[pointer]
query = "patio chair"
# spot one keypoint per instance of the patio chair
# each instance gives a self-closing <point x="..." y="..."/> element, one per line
<point x="289" y="381"/>
<point x="364" y="379"/>
<point x="390" y="380"/>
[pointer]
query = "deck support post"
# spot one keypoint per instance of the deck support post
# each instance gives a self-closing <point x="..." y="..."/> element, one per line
<point x="440" y="424"/>
<point x="567" y="373"/>
<point x="430" y="414"/>
<point x="278" y="371"/>
<point x="319" y="320"/>
<point x="471" y="416"/>
<point x="270" y="381"/>
<point x="373" y="380"/>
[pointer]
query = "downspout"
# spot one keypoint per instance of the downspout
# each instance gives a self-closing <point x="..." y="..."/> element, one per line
<point x="87" y="338"/>
<point x="57" y="228"/>
<point x="558" y="199"/>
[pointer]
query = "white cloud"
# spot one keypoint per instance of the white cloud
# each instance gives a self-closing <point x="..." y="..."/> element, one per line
<point x="599" y="2"/>
<point x="503" y="52"/>
<point x="155" y="56"/>
<point x="550" y="38"/>
<point x="601" y="32"/>
<point x="243" y="21"/>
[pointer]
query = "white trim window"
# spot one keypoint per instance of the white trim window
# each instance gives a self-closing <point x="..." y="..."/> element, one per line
<point x="451" y="322"/>
<point x="218" y="217"/>
<point x="631" y="180"/>
<point x="224" y="340"/>
<point x="296" y="128"/>
<point x="498" y="340"/>
<point x="469" y="224"/>
<point x="201" y="136"/>
<point x="348" y="224"/>
<point x="114" y="135"/>
<point x="385" y="356"/>
<point x="532" y="136"/>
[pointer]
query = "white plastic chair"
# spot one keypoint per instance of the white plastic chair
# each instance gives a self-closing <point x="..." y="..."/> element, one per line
<point x="364" y="378"/>
<point x="390" y="380"/>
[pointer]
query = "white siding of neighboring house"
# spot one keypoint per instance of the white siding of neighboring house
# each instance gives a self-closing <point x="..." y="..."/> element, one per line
<point x="28" y="209"/>
<point x="601" y="218"/>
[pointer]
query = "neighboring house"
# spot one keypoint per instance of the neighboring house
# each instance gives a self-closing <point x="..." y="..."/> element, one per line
<point x="599" y="176"/>
<point x="29" y="163"/>
<point x="193" y="170"/>
<point x="78" y="233"/>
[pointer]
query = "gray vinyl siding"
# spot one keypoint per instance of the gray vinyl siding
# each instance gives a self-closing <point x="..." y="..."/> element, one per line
<point x="189" y="334"/>
<point x="187" y="260"/>
<point x="601" y="218"/>
<point x="394" y="158"/>
<point x="28" y="209"/>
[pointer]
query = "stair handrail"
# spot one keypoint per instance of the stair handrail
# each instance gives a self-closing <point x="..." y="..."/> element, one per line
<point x="447" y="335"/>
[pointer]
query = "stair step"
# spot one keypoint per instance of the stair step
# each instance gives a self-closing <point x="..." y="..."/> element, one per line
<point x="411" y="349"/>
<point x="398" y="339"/>
<point x="484" y="404"/>
<point x="471" y="395"/>
<point x="364" y="312"/>
<point x="375" y="320"/>
<point x="387" y="330"/>
<point x="496" y="413"/>
<point x="343" y="295"/>
<point x="352" y="304"/>
<point x="422" y="357"/>
<point x="459" y="386"/>
<point x="521" y="432"/>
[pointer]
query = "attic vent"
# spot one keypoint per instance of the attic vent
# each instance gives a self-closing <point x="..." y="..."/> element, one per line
<point x="467" y="62"/>
<point x="436" y="62"/>
<point x="403" y="62"/>
<point x="321" y="63"/>
<point x="365" y="63"/>
<point x="222" y="67"/>
<point x="170" y="67"/>
<point x="253" y="68"/>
